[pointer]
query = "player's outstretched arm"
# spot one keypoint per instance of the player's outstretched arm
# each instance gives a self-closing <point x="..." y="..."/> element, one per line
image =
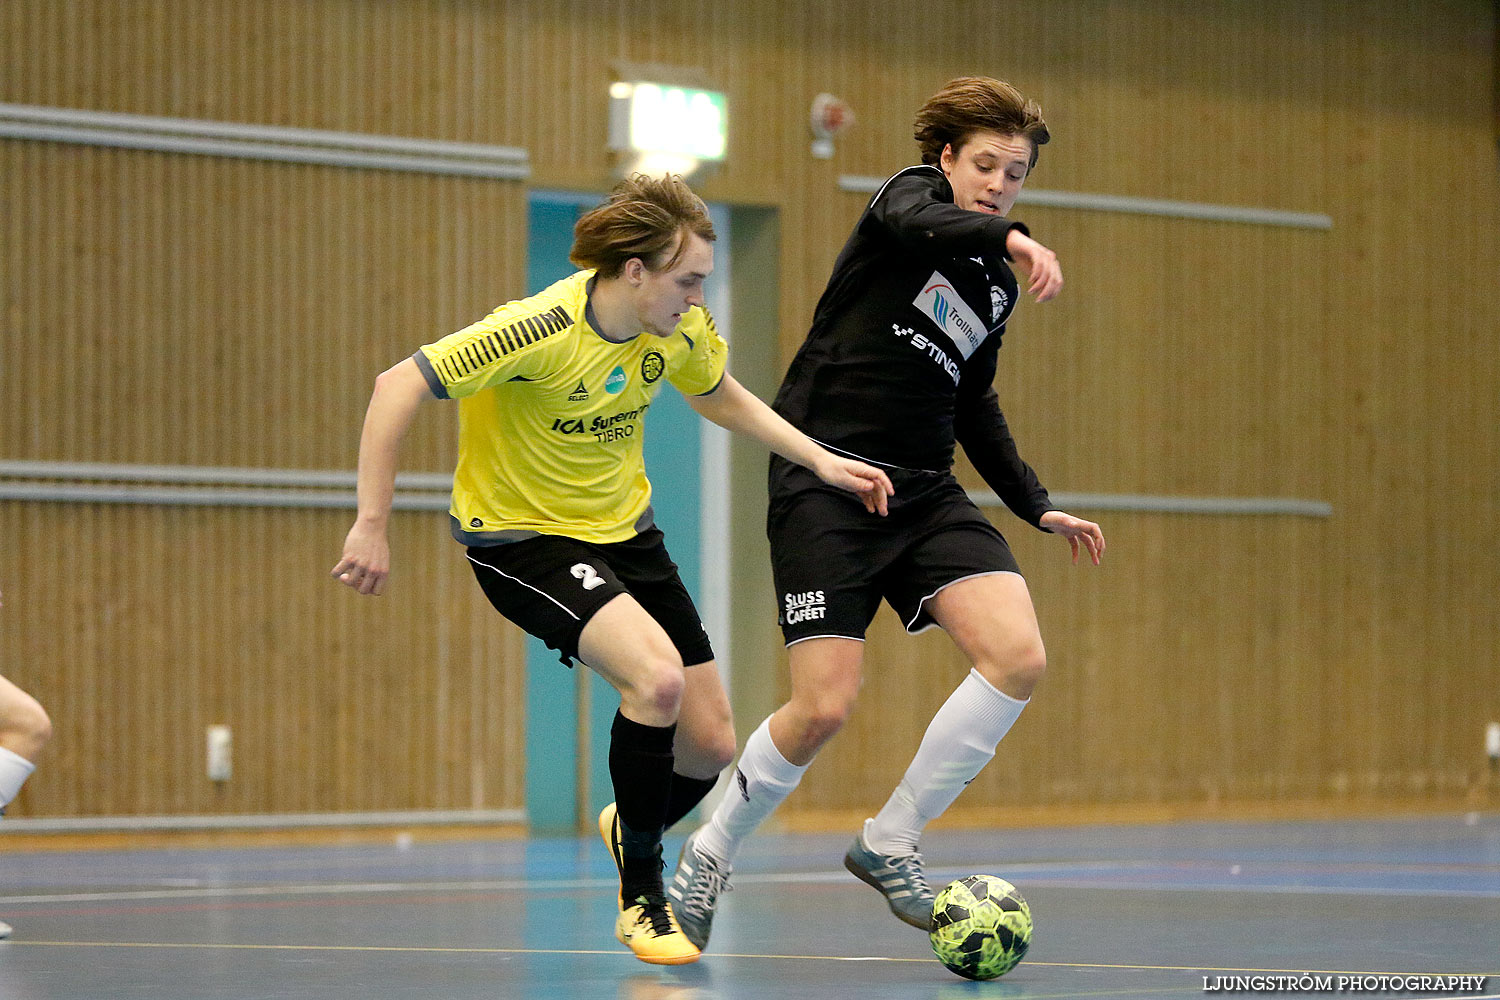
<point x="399" y="391"/>
<point x="1076" y="529"/>
<point x="1043" y="273"/>
<point x="736" y="408"/>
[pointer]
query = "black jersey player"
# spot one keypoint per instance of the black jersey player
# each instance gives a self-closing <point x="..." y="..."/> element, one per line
<point x="897" y="368"/>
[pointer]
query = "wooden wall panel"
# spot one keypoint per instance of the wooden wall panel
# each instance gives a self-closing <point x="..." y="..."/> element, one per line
<point x="253" y="303"/>
<point x="138" y="627"/>
<point x="173" y="309"/>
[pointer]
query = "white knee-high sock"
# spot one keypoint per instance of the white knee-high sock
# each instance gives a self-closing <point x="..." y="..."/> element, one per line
<point x="763" y="779"/>
<point x="14" y="770"/>
<point x="959" y="741"/>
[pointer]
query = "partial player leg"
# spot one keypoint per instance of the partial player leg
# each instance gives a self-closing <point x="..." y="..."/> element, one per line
<point x="24" y="730"/>
<point x="705" y="739"/>
<point x="825" y="679"/>
<point x="705" y="728"/>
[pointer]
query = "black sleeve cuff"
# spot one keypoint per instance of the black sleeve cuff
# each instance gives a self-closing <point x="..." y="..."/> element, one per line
<point x="716" y="386"/>
<point x="433" y="382"/>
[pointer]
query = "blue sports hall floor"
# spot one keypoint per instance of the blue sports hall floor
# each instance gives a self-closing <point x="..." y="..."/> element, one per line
<point x="1121" y="911"/>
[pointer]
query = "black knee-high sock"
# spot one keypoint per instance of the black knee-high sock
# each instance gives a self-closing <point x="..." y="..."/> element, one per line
<point x="687" y="793"/>
<point x="640" y="763"/>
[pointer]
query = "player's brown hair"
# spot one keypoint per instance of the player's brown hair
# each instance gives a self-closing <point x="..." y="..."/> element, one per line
<point x="642" y="217"/>
<point x="972" y="104"/>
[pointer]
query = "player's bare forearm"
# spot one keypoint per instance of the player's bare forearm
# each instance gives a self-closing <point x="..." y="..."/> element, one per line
<point x="399" y="392"/>
<point x="1043" y="273"/>
<point x="735" y="408"/>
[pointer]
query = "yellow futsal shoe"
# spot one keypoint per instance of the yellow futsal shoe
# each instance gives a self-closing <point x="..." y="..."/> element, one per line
<point x="609" y="829"/>
<point x="646" y="925"/>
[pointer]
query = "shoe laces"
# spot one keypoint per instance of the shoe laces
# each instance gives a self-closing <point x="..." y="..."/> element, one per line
<point x="910" y="867"/>
<point x="654" y="912"/>
<point x="709" y="881"/>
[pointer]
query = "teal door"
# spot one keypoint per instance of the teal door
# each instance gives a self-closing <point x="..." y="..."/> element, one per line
<point x="569" y="712"/>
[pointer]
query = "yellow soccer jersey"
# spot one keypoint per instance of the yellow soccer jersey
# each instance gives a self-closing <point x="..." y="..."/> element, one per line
<point x="550" y="415"/>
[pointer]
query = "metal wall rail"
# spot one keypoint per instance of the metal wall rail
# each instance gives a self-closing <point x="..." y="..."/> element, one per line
<point x="208" y="486"/>
<point x="1136" y="206"/>
<point x="265" y="821"/>
<point x="228" y="496"/>
<point x="1154" y="504"/>
<point x="203" y="474"/>
<point x="262" y="142"/>
<point x="212" y="486"/>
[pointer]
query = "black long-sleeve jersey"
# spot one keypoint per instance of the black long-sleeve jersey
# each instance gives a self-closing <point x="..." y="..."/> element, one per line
<point x="900" y="361"/>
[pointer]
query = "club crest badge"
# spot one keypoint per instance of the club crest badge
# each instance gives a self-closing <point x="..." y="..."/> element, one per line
<point x="652" y="366"/>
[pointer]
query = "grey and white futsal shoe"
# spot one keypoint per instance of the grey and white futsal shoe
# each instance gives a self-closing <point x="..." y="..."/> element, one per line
<point x="695" y="891"/>
<point x="4" y="929"/>
<point x="899" y="878"/>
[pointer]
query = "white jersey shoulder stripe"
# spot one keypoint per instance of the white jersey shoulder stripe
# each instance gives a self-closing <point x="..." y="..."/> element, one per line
<point x="904" y="170"/>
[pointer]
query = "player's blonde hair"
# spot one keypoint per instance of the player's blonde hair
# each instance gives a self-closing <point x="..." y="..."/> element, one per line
<point x="642" y="217"/>
<point x="972" y="104"/>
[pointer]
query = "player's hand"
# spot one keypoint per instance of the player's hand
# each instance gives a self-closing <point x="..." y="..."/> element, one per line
<point x="367" y="560"/>
<point x="870" y="484"/>
<point x="1043" y="273"/>
<point x="1075" y="529"/>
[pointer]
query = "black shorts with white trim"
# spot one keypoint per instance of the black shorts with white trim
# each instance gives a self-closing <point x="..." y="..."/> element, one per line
<point x="552" y="585"/>
<point x="833" y="561"/>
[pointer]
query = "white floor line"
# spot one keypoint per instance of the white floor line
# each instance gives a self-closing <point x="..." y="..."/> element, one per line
<point x="936" y="875"/>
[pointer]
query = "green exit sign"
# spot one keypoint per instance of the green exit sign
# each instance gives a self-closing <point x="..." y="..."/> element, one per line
<point x="661" y="118"/>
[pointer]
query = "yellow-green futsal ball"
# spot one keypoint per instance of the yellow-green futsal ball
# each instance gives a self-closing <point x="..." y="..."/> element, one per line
<point x="981" y="927"/>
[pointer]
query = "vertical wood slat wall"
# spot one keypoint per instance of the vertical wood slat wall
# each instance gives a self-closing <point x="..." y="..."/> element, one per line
<point x="174" y="309"/>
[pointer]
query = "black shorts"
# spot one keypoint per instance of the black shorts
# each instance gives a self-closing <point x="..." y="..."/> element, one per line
<point x="833" y="561"/>
<point x="552" y="585"/>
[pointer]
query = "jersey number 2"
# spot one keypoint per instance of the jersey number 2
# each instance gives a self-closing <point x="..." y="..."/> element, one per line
<point x="589" y="576"/>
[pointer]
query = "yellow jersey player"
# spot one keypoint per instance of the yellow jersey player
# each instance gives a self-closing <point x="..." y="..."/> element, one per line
<point x="551" y="499"/>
